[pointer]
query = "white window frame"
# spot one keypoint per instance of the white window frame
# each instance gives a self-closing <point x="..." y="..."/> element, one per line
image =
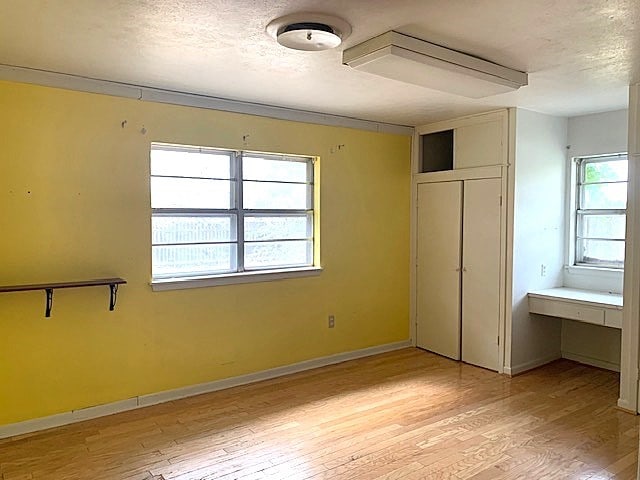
<point x="573" y="266"/>
<point x="244" y="275"/>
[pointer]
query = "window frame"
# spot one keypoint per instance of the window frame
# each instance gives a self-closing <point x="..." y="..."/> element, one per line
<point x="241" y="273"/>
<point x="577" y="214"/>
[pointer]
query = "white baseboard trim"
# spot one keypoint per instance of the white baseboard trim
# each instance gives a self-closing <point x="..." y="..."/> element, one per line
<point x="74" y="416"/>
<point x="594" y="362"/>
<point x="166" y="396"/>
<point x="60" y="419"/>
<point x="523" y="367"/>
<point x="626" y="406"/>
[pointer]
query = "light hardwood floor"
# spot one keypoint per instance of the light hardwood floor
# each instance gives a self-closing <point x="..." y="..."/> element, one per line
<point x="402" y="415"/>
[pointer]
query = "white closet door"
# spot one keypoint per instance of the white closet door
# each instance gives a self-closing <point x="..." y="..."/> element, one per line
<point x="481" y="272"/>
<point x="438" y="267"/>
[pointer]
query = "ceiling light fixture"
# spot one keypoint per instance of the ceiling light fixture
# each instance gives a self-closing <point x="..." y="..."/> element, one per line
<point x="411" y="60"/>
<point x="309" y="31"/>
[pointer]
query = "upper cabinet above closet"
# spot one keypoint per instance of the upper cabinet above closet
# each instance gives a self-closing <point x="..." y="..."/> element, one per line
<point x="474" y="141"/>
<point x="478" y="145"/>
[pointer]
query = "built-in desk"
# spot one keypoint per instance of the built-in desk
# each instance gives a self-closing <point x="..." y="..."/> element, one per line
<point x="599" y="308"/>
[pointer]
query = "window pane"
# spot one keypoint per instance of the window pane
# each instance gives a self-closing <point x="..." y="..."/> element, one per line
<point x="190" y="164"/>
<point x="606" y="195"/>
<point x="189" y="193"/>
<point x="603" y="226"/>
<point x="259" y="168"/>
<point x="610" y="171"/>
<point x="285" y="196"/>
<point x="278" y="227"/>
<point x="200" y="229"/>
<point x="193" y="260"/>
<point x="278" y="254"/>
<point x="600" y="252"/>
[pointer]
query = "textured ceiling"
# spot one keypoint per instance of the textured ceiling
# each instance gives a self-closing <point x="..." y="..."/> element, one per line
<point x="580" y="54"/>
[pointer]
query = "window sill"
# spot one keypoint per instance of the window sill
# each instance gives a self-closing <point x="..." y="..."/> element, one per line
<point x="233" y="278"/>
<point x="594" y="271"/>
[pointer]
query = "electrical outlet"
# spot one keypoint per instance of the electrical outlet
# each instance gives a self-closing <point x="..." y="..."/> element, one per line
<point x="332" y="321"/>
<point x="543" y="270"/>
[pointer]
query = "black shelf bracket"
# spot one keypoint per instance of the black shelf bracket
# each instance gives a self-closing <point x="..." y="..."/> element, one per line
<point x="113" y="296"/>
<point x="49" y="304"/>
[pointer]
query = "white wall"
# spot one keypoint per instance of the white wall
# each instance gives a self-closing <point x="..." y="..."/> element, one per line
<point x="595" y="134"/>
<point x="539" y="233"/>
<point x="591" y="344"/>
<point x="598" y="133"/>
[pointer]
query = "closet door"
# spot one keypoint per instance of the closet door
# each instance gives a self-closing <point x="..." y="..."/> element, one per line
<point x="438" y="267"/>
<point x="481" y="273"/>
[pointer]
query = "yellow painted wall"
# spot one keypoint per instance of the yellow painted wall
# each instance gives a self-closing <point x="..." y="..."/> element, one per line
<point x="74" y="204"/>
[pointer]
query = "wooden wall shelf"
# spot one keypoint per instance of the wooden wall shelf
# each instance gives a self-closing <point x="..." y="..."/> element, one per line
<point x="50" y="287"/>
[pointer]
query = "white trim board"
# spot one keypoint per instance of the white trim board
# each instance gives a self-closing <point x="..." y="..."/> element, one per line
<point x="74" y="416"/>
<point x="525" y="367"/>
<point x="474" y="119"/>
<point x="594" y="362"/>
<point x="630" y="355"/>
<point x="233" y="278"/>
<point x="471" y="173"/>
<point x="149" y="94"/>
<point x="627" y="407"/>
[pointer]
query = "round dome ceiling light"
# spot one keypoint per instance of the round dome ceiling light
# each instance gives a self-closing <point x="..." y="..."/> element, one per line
<point x="308" y="37"/>
<point x="309" y="31"/>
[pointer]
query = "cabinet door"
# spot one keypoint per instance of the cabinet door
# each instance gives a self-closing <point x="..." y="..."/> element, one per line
<point x="438" y="268"/>
<point x="481" y="272"/>
<point x="478" y="145"/>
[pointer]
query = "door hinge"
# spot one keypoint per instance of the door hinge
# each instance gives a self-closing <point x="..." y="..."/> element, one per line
<point x="500" y="200"/>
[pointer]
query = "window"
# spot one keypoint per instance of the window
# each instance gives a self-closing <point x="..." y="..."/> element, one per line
<point x="219" y="212"/>
<point x="600" y="215"/>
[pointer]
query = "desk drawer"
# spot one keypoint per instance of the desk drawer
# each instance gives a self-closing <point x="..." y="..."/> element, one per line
<point x="613" y="318"/>
<point x="568" y="310"/>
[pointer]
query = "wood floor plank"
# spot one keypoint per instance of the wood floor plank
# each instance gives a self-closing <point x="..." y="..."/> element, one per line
<point x="403" y="415"/>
